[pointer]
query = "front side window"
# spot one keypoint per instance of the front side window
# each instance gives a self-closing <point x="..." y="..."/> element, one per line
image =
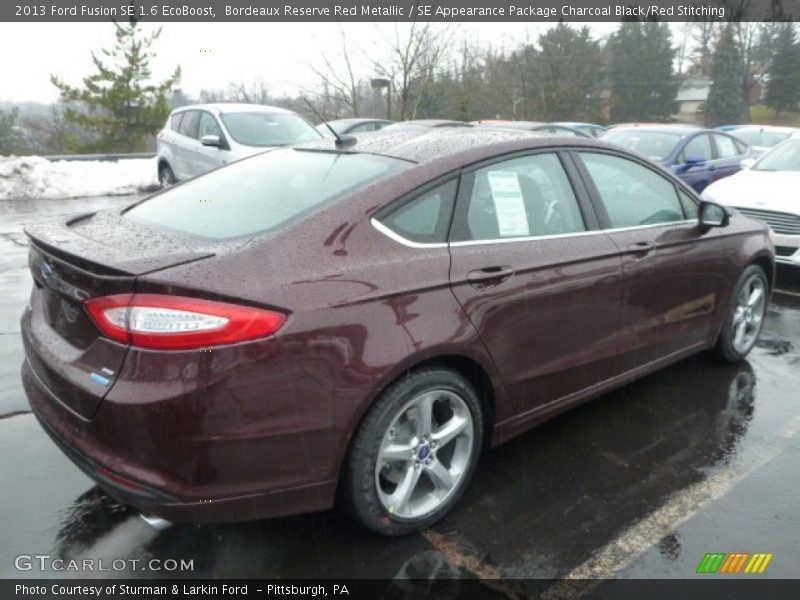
<point x="726" y="147"/>
<point x="698" y="148"/>
<point x="262" y="193"/>
<point x="521" y="197"/>
<point x="263" y="129"/>
<point x="208" y="125"/>
<point x="424" y="219"/>
<point x="632" y="194"/>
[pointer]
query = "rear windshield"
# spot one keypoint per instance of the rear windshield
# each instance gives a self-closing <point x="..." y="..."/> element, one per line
<point x="656" y="145"/>
<point x="263" y="129"/>
<point x="261" y="193"/>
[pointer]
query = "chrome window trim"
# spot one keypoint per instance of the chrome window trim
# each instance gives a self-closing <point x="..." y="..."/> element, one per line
<point x="401" y="240"/>
<point x="406" y="242"/>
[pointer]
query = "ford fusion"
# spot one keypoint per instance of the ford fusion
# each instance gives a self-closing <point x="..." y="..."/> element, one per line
<point x="354" y="322"/>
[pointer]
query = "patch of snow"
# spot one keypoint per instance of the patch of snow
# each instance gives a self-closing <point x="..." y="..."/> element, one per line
<point x="35" y="177"/>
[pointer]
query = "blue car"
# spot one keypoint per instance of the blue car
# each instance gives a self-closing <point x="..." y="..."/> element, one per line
<point x="698" y="156"/>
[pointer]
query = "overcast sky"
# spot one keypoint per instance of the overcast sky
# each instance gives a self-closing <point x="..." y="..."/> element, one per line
<point x="211" y="55"/>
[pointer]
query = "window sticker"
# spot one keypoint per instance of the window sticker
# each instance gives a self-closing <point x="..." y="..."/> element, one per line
<point x="509" y="207"/>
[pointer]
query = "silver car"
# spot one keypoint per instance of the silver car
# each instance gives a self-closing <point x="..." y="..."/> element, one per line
<point x="201" y="137"/>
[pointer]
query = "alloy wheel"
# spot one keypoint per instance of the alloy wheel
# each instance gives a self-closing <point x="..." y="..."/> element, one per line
<point x="424" y="454"/>
<point x="748" y="313"/>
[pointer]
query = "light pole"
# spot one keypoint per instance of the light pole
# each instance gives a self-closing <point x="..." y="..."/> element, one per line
<point x="380" y="83"/>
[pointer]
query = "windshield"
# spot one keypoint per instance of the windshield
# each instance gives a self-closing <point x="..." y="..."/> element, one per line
<point x="657" y="145"/>
<point x="268" y="129"/>
<point x="261" y="193"/>
<point x="761" y="137"/>
<point x="785" y="157"/>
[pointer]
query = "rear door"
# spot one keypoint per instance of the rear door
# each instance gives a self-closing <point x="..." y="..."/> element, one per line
<point x="536" y="278"/>
<point x="672" y="270"/>
<point x="185" y="145"/>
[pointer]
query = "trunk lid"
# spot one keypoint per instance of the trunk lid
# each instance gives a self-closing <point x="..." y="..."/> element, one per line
<point x="85" y="257"/>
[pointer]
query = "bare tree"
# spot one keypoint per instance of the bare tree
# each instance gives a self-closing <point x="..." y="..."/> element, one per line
<point x="255" y="92"/>
<point x="341" y="82"/>
<point x="415" y="56"/>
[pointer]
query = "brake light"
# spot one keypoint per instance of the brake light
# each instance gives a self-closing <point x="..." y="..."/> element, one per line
<point x="164" y="322"/>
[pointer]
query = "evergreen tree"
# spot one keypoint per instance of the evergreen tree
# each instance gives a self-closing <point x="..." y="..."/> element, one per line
<point x="119" y="106"/>
<point x="783" y="85"/>
<point x="643" y="85"/>
<point x="8" y="137"/>
<point x="725" y="103"/>
<point x="568" y="72"/>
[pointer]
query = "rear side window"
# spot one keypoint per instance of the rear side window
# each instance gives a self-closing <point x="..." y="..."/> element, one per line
<point x="175" y="121"/>
<point x="262" y="193"/>
<point x="522" y="197"/>
<point x="426" y="218"/>
<point x="190" y="122"/>
<point x="632" y="194"/>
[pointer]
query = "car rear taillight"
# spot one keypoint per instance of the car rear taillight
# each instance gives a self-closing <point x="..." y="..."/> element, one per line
<point x="164" y="322"/>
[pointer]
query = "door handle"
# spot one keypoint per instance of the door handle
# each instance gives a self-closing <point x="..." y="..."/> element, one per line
<point x="641" y="248"/>
<point x="489" y="276"/>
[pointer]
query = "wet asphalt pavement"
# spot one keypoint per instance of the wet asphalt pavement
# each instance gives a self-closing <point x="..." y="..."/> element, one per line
<point x="639" y="483"/>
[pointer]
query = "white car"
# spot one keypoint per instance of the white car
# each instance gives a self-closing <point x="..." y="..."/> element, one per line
<point x="767" y="190"/>
<point x="202" y="137"/>
<point x="763" y="137"/>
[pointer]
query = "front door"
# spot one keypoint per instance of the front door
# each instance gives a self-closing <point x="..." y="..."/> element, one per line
<point x="672" y="275"/>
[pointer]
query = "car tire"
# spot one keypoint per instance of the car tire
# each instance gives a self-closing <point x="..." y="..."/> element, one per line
<point x="166" y="177"/>
<point x="744" y="317"/>
<point x="395" y="492"/>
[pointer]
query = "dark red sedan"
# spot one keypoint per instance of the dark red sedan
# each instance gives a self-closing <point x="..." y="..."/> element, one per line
<point x="357" y="321"/>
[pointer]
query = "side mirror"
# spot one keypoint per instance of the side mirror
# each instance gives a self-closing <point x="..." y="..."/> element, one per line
<point x="711" y="214"/>
<point x="694" y="160"/>
<point x="211" y="140"/>
<point x="746" y="163"/>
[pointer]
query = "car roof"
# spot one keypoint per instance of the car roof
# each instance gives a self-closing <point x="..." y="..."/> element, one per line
<point x="431" y="122"/>
<point x="358" y="120"/>
<point x="677" y="129"/>
<point x="778" y="128"/>
<point x="577" y="124"/>
<point x="509" y="123"/>
<point x="233" y="107"/>
<point x="462" y="144"/>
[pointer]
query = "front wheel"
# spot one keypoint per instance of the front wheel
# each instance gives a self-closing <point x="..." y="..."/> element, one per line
<point x="745" y="316"/>
<point x="415" y="452"/>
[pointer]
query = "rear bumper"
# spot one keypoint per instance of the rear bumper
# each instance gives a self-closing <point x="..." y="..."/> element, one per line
<point x="155" y="491"/>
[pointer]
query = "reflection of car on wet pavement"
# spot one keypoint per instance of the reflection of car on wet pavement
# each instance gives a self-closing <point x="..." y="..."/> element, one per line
<point x="400" y="352"/>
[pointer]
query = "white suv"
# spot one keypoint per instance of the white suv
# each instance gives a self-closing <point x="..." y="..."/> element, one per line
<point x="202" y="137"/>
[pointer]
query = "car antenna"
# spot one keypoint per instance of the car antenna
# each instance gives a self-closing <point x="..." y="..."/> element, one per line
<point x="342" y="141"/>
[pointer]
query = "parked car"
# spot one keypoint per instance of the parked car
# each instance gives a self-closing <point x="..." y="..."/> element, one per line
<point x="425" y="124"/>
<point x="202" y="137"/>
<point x="762" y="137"/>
<point x="316" y="322"/>
<point x="698" y="156"/>
<point x="536" y="126"/>
<point x="591" y="129"/>
<point x="352" y="126"/>
<point x="767" y="190"/>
